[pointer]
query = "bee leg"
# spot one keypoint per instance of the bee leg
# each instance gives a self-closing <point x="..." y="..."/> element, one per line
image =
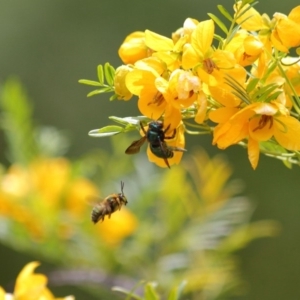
<point x="167" y="162"/>
<point x="167" y="128"/>
<point x="142" y="127"/>
<point x="161" y="145"/>
<point x="172" y="136"/>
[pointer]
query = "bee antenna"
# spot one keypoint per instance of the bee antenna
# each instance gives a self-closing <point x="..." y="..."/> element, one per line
<point x="122" y="186"/>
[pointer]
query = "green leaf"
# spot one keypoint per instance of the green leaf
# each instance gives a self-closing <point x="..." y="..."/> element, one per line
<point x="90" y="82"/>
<point x="177" y="291"/>
<point x="225" y="13"/>
<point x="109" y="73"/>
<point x="100" y="74"/>
<point x="128" y="293"/>
<point x="273" y="96"/>
<point x="129" y="120"/>
<point x="100" y="91"/>
<point x="113" y="97"/>
<point x="150" y="293"/>
<point x="262" y="93"/>
<point x="16" y="122"/>
<point x="106" y="131"/>
<point x="244" y="9"/>
<point x="252" y="84"/>
<point x="218" y="22"/>
<point x="244" y="2"/>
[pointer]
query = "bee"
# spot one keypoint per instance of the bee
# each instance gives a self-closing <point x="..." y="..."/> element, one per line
<point x="108" y="206"/>
<point x="156" y="137"/>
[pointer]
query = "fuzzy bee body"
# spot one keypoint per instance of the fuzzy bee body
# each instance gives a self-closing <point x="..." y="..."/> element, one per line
<point x="108" y="206"/>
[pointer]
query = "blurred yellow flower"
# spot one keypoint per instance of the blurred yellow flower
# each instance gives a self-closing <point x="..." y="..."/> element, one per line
<point x="119" y="226"/>
<point x="76" y="199"/>
<point x="31" y="286"/>
<point x="45" y="185"/>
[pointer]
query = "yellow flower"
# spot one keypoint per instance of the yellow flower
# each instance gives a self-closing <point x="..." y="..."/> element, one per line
<point x="245" y="47"/>
<point x="133" y="48"/>
<point x="31" y="286"/>
<point x="49" y="178"/>
<point x="189" y="26"/>
<point x="259" y="122"/>
<point x="120" y="225"/>
<point x="200" y="55"/>
<point x="286" y="33"/>
<point x="142" y="82"/>
<point x="251" y="19"/>
<point x="182" y="90"/>
<point x="76" y="197"/>
<point x="165" y="49"/>
<point x="222" y="93"/>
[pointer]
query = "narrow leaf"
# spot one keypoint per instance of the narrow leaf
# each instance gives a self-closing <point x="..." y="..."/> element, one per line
<point x="177" y="291"/>
<point x="218" y="22"/>
<point x="100" y="74"/>
<point x="273" y="96"/>
<point x="109" y="73"/>
<point x="90" y="82"/>
<point x="150" y="293"/>
<point x="124" y="291"/>
<point x="100" y="91"/>
<point x="252" y="84"/>
<point x="113" y="97"/>
<point x="106" y="131"/>
<point x="225" y="13"/>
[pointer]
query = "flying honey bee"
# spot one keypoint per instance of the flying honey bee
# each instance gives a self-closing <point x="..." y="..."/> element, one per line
<point x="108" y="206"/>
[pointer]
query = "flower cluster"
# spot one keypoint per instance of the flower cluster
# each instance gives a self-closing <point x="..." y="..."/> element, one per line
<point x="30" y="285"/>
<point x="243" y="88"/>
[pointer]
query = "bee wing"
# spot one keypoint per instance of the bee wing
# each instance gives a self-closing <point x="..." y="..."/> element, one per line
<point x="93" y="200"/>
<point x="177" y="149"/>
<point x="135" y="146"/>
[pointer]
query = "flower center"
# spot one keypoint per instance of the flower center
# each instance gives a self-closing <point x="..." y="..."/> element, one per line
<point x="209" y="65"/>
<point x="264" y="120"/>
<point x="158" y="99"/>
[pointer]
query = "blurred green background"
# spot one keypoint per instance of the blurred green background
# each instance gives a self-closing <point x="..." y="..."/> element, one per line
<point x="51" y="44"/>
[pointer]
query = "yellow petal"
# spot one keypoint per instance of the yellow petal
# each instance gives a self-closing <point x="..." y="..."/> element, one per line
<point x="288" y="32"/>
<point x="201" y="113"/>
<point x="139" y="80"/>
<point x="27" y="270"/>
<point x="253" y="152"/>
<point x="251" y="20"/>
<point x="158" y="42"/>
<point x="133" y="48"/>
<point x="265" y="109"/>
<point x="294" y="15"/>
<point x="2" y="293"/>
<point x="190" y="57"/>
<point x="222" y="114"/>
<point x="152" y="111"/>
<point x="202" y="37"/>
<point x="228" y="134"/>
<point x="207" y="78"/>
<point x="287" y="132"/>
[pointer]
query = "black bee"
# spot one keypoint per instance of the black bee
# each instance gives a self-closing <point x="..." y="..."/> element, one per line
<point x="156" y="137"/>
<point x="108" y="206"/>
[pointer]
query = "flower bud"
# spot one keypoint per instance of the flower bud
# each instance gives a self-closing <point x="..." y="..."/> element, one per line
<point x="133" y="48"/>
<point x="119" y="82"/>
